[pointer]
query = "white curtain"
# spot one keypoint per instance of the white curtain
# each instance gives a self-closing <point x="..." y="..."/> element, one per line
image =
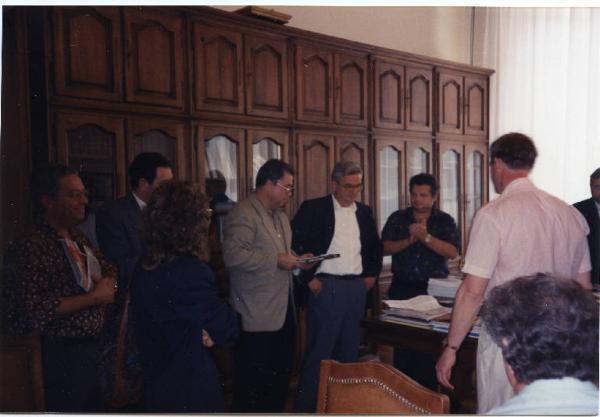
<point x="546" y="85"/>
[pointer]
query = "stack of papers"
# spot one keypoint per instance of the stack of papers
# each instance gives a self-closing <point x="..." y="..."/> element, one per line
<point x="423" y="307"/>
<point x="443" y="287"/>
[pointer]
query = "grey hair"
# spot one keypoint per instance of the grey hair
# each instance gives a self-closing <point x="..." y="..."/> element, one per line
<point x="345" y="168"/>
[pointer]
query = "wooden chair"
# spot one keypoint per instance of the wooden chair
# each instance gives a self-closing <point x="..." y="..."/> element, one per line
<point x="374" y="388"/>
<point x="21" y="377"/>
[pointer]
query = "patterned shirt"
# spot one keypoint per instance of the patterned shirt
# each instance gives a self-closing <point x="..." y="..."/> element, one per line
<point x="413" y="266"/>
<point x="37" y="275"/>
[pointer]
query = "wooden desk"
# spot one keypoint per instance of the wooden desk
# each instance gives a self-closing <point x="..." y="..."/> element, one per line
<point x="463" y="398"/>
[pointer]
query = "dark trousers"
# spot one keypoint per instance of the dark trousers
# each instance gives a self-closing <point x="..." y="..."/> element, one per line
<point x="262" y="368"/>
<point x="333" y="333"/>
<point x="71" y="379"/>
<point x="420" y="366"/>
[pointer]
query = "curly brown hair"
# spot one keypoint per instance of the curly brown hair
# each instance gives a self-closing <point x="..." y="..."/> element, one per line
<point x="175" y="222"/>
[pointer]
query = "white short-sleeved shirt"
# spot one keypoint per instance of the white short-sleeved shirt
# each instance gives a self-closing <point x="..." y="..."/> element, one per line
<point x="526" y="231"/>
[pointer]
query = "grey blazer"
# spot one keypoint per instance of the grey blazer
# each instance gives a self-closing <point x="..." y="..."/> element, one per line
<point x="259" y="290"/>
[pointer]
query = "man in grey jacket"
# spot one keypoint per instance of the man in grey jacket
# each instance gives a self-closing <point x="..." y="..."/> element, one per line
<point x="256" y="249"/>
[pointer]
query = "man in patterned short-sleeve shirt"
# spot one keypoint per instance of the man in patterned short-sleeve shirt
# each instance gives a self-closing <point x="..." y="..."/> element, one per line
<point x="42" y="294"/>
<point x="420" y="240"/>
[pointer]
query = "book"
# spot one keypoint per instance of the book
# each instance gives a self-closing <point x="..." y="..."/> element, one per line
<point x="423" y="307"/>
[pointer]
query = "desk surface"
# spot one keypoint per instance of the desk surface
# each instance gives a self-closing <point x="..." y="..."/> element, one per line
<point x="463" y="399"/>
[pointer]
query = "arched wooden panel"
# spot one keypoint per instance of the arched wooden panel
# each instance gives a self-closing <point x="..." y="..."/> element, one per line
<point x="315" y="162"/>
<point x="217" y="72"/>
<point x="154" y="57"/>
<point x="419" y="99"/>
<point x="355" y="149"/>
<point x="87" y="52"/>
<point x="450" y="102"/>
<point x="266" y="76"/>
<point x="389" y="90"/>
<point x="351" y="89"/>
<point x="314" y="84"/>
<point x="476" y="106"/>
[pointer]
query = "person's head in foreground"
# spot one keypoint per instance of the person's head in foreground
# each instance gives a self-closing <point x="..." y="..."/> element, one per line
<point x="547" y="329"/>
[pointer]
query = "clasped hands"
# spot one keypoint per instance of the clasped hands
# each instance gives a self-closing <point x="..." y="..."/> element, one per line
<point x="417" y="231"/>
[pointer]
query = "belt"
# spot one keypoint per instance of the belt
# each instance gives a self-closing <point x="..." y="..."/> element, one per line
<point x="347" y="277"/>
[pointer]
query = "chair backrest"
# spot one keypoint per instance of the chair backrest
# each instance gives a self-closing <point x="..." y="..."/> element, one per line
<point x="21" y="378"/>
<point x="374" y="388"/>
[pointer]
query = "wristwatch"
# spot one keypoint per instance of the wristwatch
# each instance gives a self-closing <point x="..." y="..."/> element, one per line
<point x="428" y="238"/>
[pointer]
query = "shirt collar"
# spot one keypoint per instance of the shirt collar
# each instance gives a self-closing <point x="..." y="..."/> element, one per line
<point x="141" y="203"/>
<point x="337" y="206"/>
<point x="518" y="184"/>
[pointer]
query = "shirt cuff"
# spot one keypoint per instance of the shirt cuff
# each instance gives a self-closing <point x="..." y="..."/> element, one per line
<point x="477" y="271"/>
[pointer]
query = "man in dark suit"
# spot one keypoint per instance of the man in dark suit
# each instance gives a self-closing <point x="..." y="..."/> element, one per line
<point x="335" y="224"/>
<point x="590" y="209"/>
<point x="118" y="222"/>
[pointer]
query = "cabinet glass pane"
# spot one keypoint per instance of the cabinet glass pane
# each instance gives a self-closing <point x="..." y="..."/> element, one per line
<point x="389" y="186"/>
<point x="450" y="184"/>
<point x="261" y="152"/>
<point x="92" y="154"/>
<point x="474" y="184"/>
<point x="222" y="156"/>
<point x="418" y="162"/>
<point x="157" y="141"/>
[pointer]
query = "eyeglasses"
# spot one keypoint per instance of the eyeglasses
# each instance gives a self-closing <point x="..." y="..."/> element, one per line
<point x="351" y="186"/>
<point x="288" y="188"/>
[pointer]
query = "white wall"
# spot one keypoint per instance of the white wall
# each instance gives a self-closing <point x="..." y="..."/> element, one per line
<point x="439" y="32"/>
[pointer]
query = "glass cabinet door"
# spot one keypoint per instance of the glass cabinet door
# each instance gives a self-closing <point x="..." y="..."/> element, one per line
<point x="475" y="181"/>
<point x="450" y="170"/>
<point x="262" y="151"/>
<point x="221" y="155"/>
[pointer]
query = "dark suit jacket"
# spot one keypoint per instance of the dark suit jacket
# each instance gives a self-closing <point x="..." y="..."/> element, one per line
<point x="313" y="228"/>
<point x="590" y="212"/>
<point x="118" y="232"/>
<point x="171" y="306"/>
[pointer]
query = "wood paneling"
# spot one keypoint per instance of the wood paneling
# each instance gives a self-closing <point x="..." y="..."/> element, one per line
<point x="87" y="52"/>
<point x="450" y="103"/>
<point x="476" y="106"/>
<point x="314" y="84"/>
<point x="154" y="57"/>
<point x="351" y="89"/>
<point x="389" y="95"/>
<point x="418" y="99"/>
<point x="266" y="77"/>
<point x="355" y="149"/>
<point x="316" y="155"/>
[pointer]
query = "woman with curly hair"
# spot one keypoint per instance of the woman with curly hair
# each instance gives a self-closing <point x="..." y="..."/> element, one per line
<point x="176" y="307"/>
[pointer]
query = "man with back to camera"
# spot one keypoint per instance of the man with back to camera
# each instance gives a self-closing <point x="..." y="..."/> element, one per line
<point x="256" y="249"/>
<point x="42" y="292"/>
<point x="420" y="239"/>
<point x="590" y="209"/>
<point x="522" y="232"/>
<point x="335" y="224"/>
<point x="547" y="329"/>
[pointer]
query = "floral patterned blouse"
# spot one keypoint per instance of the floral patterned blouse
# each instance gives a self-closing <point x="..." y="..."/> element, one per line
<point x="37" y="275"/>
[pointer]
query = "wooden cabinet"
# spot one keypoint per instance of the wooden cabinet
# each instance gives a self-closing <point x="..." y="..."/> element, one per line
<point x="350" y="89"/>
<point x="266" y="63"/>
<point x="217" y="69"/>
<point x="463" y="177"/>
<point x="462" y="104"/>
<point x="93" y="145"/>
<point x="315" y="161"/>
<point x="159" y="135"/>
<point x="314" y="84"/>
<point x="402" y="96"/>
<point x="87" y="52"/>
<point x="154" y="56"/>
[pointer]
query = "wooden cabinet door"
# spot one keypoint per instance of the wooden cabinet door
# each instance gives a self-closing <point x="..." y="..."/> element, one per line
<point x="476" y="182"/>
<point x="451" y="179"/>
<point x="389" y="95"/>
<point x="159" y="135"/>
<point x="356" y="149"/>
<point x="221" y="153"/>
<point x="266" y="62"/>
<point x="154" y="57"/>
<point x="262" y="145"/>
<point x="476" y="106"/>
<point x="418" y="99"/>
<point x="94" y="145"/>
<point x="450" y="103"/>
<point x="87" y="52"/>
<point x="351" y="89"/>
<point x="217" y="69"/>
<point x="315" y="155"/>
<point x="390" y="178"/>
<point x="314" y="84"/>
